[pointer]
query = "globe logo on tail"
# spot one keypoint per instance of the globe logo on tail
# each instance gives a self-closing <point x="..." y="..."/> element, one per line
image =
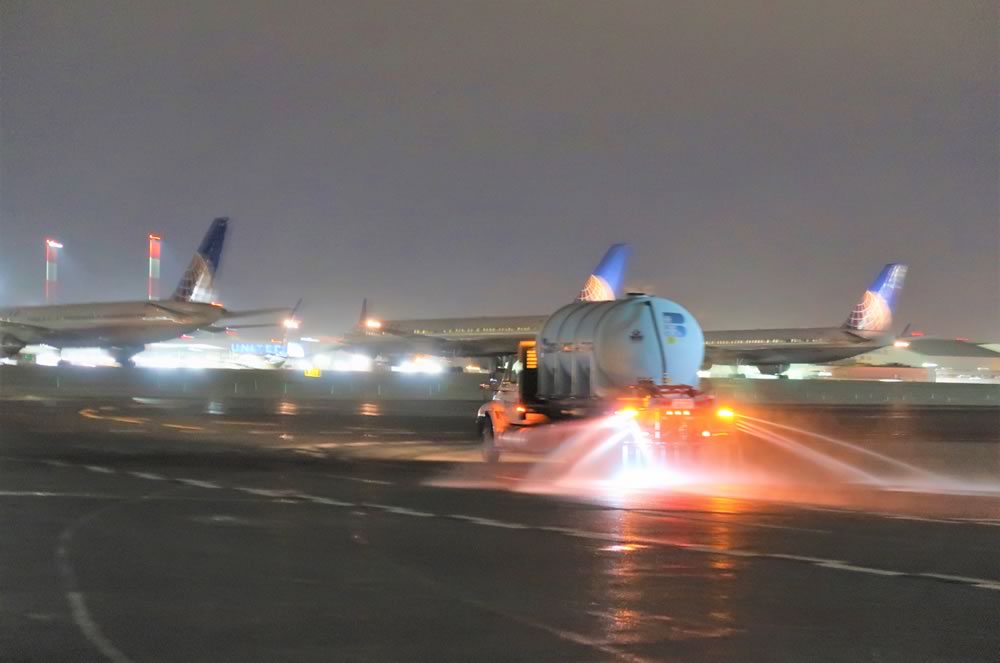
<point x="871" y="314"/>
<point x="874" y="312"/>
<point x="596" y="289"/>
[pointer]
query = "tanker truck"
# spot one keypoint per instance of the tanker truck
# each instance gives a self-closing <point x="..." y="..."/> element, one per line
<point x="635" y="358"/>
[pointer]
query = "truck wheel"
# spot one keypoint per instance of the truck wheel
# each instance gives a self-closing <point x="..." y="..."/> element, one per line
<point x="489" y="449"/>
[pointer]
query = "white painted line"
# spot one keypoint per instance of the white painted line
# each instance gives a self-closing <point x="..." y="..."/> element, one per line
<point x="74" y="597"/>
<point x="804" y="558"/>
<point x="982" y="583"/>
<point x="377" y="482"/>
<point x="98" y="468"/>
<point x="988" y="522"/>
<point x="268" y="492"/>
<point x="149" y="476"/>
<point x="556" y="529"/>
<point x="736" y="552"/>
<point x="841" y="566"/>
<point x="488" y="522"/>
<point x="328" y="501"/>
<point x="312" y="453"/>
<point x="198" y="483"/>
<point x="245" y="423"/>
<point x="388" y="508"/>
<point x="90" y="630"/>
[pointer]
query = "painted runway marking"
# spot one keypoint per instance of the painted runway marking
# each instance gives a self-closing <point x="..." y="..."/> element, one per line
<point x="377" y="482"/>
<point x="312" y="453"/>
<point x="245" y="423"/>
<point x="328" y="501"/>
<point x="197" y="483"/>
<point x="90" y="630"/>
<point x="986" y="522"/>
<point x="74" y="596"/>
<point x="730" y="523"/>
<point x="819" y="562"/>
<point x="388" y="508"/>
<point x="975" y="582"/>
<point x="805" y="558"/>
<point x="89" y="413"/>
<point x="150" y="476"/>
<point x="841" y="566"/>
<point x="488" y="522"/>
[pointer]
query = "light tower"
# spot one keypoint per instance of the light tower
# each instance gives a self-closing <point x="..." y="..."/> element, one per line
<point x="153" y="282"/>
<point x="51" y="254"/>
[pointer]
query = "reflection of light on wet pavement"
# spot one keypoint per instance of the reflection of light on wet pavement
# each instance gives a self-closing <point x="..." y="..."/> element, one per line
<point x="287" y="408"/>
<point x="369" y="409"/>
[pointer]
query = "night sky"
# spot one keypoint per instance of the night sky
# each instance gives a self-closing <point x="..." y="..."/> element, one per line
<point x="471" y="157"/>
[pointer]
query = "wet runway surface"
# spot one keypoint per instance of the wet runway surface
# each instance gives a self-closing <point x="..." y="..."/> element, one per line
<point x="258" y="531"/>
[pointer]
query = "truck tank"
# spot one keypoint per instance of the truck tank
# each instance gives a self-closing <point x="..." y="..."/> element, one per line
<point x="597" y="349"/>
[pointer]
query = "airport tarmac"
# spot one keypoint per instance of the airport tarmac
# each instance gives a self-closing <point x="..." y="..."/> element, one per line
<point x="169" y="530"/>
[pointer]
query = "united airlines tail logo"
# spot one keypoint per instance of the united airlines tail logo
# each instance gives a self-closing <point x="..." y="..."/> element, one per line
<point x="874" y="311"/>
<point x="871" y="314"/>
<point x="596" y="289"/>
<point x="197" y="282"/>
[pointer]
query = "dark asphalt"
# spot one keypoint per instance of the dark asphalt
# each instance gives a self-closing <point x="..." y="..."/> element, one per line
<point x="186" y="531"/>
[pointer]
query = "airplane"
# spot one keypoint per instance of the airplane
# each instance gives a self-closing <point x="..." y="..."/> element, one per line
<point x="485" y="336"/>
<point x="773" y="350"/>
<point x="124" y="328"/>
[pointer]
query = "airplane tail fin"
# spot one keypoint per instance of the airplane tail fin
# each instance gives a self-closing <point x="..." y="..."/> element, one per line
<point x="874" y="311"/>
<point x="605" y="283"/>
<point x="196" y="284"/>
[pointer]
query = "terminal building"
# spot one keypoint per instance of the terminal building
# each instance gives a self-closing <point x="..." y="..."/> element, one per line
<point x="942" y="360"/>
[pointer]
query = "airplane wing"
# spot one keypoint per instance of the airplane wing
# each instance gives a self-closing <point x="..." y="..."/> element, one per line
<point x="25" y="333"/>
<point x="216" y="329"/>
<point x="254" y="312"/>
<point x="177" y="315"/>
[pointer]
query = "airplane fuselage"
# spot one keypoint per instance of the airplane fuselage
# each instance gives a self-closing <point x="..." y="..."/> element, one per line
<point x="501" y="334"/>
<point x="112" y="324"/>
<point x="818" y="345"/>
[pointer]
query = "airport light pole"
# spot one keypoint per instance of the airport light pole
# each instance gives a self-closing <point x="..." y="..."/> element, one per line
<point x="153" y="282"/>
<point x="51" y="255"/>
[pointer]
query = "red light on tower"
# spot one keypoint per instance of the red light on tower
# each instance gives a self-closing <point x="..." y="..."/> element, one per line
<point x="153" y="282"/>
<point x="51" y="276"/>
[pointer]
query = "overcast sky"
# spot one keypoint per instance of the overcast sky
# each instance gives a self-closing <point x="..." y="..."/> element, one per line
<point x="471" y="157"/>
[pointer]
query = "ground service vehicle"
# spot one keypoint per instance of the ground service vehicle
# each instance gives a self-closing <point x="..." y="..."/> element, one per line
<point x="636" y="358"/>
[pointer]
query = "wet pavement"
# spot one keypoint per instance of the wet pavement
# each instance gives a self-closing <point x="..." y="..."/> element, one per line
<point x="273" y="531"/>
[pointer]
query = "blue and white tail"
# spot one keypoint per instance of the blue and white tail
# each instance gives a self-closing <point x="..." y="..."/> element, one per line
<point x="196" y="284"/>
<point x="605" y="284"/>
<point x="874" y="312"/>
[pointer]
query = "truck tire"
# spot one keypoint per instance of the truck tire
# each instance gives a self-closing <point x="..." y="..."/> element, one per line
<point x="488" y="442"/>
